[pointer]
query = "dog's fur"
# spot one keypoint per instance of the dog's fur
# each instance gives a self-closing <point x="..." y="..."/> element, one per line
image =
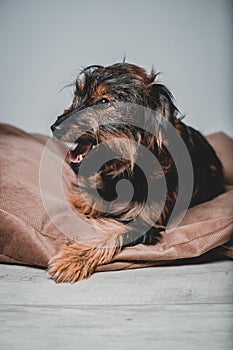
<point x="106" y="89"/>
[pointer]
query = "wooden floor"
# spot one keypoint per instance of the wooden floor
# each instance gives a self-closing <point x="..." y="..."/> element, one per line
<point x="178" y="307"/>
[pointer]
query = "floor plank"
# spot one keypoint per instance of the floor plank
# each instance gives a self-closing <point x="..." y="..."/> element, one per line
<point x="187" y="307"/>
<point x="172" y="327"/>
<point x="205" y="283"/>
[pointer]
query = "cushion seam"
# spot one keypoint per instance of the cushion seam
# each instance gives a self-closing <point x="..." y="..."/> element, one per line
<point x="206" y="234"/>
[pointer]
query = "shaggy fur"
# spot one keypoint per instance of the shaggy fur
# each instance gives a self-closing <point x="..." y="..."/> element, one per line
<point x="114" y="94"/>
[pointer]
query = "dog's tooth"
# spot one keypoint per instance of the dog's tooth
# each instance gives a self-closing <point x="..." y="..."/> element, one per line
<point x="80" y="158"/>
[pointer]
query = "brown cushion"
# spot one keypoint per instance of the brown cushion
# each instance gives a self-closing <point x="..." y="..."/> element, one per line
<point x="36" y="219"/>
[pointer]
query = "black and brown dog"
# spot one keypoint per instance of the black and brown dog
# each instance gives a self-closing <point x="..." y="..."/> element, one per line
<point x="108" y="104"/>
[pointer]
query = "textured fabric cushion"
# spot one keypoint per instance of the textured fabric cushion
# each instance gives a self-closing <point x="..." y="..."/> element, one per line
<point x="36" y="219"/>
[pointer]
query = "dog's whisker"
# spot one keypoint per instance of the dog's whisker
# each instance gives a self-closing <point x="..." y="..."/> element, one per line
<point x="70" y="145"/>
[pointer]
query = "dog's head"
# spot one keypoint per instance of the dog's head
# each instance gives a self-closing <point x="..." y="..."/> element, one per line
<point x="120" y="101"/>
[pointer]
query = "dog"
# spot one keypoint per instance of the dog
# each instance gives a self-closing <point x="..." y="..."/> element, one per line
<point x="106" y="109"/>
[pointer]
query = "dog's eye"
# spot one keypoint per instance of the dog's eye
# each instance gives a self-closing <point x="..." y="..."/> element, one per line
<point x="103" y="102"/>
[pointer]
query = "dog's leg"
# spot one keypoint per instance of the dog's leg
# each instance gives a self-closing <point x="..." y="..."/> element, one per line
<point x="78" y="261"/>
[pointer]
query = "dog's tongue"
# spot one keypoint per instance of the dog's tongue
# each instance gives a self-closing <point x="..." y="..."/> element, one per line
<point x="77" y="155"/>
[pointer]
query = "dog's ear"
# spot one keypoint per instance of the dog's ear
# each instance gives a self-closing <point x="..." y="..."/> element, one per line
<point x="162" y="102"/>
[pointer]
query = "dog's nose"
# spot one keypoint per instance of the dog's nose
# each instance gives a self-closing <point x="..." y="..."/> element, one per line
<point x="53" y="127"/>
<point x="57" y="130"/>
<point x="57" y="125"/>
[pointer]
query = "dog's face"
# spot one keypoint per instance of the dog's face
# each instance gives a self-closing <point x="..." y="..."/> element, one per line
<point x="107" y="104"/>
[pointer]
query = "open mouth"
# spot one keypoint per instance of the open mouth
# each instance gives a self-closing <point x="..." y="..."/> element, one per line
<point x="79" y="150"/>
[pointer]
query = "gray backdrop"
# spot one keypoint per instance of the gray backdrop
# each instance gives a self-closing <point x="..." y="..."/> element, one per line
<point x="45" y="43"/>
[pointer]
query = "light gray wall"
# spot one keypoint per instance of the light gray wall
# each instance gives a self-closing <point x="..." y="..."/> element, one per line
<point x="45" y="43"/>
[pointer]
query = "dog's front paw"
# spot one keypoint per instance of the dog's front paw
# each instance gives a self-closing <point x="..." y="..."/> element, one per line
<point x="72" y="263"/>
<point x="76" y="262"/>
